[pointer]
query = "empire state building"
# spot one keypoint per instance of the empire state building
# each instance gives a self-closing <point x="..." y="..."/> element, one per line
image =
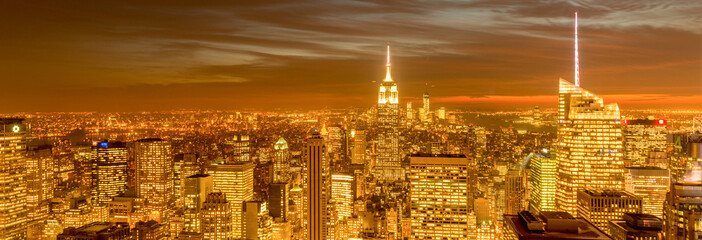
<point x="387" y="166"/>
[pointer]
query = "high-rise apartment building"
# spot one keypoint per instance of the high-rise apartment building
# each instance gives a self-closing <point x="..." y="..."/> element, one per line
<point x="281" y="163"/>
<point x="589" y="145"/>
<point x="109" y="171"/>
<point x="235" y="181"/>
<point x="278" y="197"/>
<point x="601" y="206"/>
<point x="388" y="162"/>
<point x="40" y="188"/>
<point x="515" y="191"/>
<point x="197" y="188"/>
<point x="259" y="225"/>
<point x="13" y="171"/>
<point x="542" y="181"/>
<point x="439" y="199"/>
<point x="358" y="149"/>
<point x="316" y="188"/>
<point x="642" y="139"/>
<point x="216" y="218"/>
<point x="184" y="165"/>
<point x="154" y="173"/>
<point x="651" y="184"/>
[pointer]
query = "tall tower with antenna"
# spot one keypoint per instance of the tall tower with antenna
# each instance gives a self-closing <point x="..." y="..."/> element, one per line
<point x="577" y="60"/>
<point x="427" y="114"/>
<point x="388" y="166"/>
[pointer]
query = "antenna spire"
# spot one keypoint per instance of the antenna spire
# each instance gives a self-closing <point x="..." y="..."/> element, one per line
<point x="577" y="65"/>
<point x="387" y="66"/>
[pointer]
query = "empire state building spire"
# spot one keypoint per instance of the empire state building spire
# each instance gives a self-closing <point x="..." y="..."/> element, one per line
<point x="387" y="67"/>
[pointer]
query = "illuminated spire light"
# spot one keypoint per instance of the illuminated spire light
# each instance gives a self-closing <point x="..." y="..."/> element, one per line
<point x="387" y="66"/>
<point x="577" y="65"/>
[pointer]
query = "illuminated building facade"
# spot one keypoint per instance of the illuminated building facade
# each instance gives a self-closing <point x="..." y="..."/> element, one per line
<point x="601" y="206"/>
<point x="542" y="181"/>
<point x="358" y="150"/>
<point x="281" y="165"/>
<point x="215" y="217"/>
<point x="388" y="167"/>
<point x="515" y="191"/>
<point x="651" y="184"/>
<point x="13" y="187"/>
<point x="197" y="188"/>
<point x="154" y="173"/>
<point x="642" y="139"/>
<point x="40" y="188"/>
<point x="439" y="199"/>
<point x="317" y="181"/>
<point x="427" y="109"/>
<point x="184" y="165"/>
<point x="683" y="211"/>
<point x="150" y="230"/>
<point x="235" y="181"/>
<point x="240" y="148"/>
<point x="342" y="194"/>
<point x="109" y="175"/>
<point x="410" y="112"/>
<point x="589" y="145"/>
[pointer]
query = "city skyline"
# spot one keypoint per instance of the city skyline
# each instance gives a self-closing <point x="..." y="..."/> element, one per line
<point x="307" y="55"/>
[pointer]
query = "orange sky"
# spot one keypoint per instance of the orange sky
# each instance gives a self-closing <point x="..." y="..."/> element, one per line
<point x="309" y="54"/>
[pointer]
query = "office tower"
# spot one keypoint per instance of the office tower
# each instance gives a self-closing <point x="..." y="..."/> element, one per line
<point x="601" y="206"/>
<point x="126" y="209"/>
<point x="281" y="164"/>
<point x="589" y="145"/>
<point x="96" y="231"/>
<point x="154" y="174"/>
<point x="439" y="196"/>
<point x="388" y="166"/>
<point x="184" y="165"/>
<point x="216" y="218"/>
<point x="40" y="188"/>
<point x="683" y="211"/>
<point x="13" y="171"/>
<point x="651" y="184"/>
<point x="197" y="187"/>
<point x="536" y="114"/>
<point x="235" y="181"/>
<point x="239" y="147"/>
<point x="358" y="151"/>
<point x="316" y="187"/>
<point x="642" y="138"/>
<point x="589" y="141"/>
<point x="410" y="112"/>
<point x="278" y="200"/>
<point x="550" y="225"/>
<point x="515" y="191"/>
<point x="342" y="194"/>
<point x="427" y="110"/>
<point x="109" y="171"/>
<point x="259" y="225"/>
<point x="542" y="181"/>
<point x="636" y="226"/>
<point x="150" y="230"/>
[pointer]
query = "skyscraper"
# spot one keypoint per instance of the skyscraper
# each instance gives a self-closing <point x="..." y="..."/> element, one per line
<point x="642" y="139"/>
<point x="281" y="164"/>
<point x="388" y="161"/>
<point x="154" y="173"/>
<point x="589" y="145"/>
<point x="439" y="204"/>
<point x="215" y="217"/>
<point x="683" y="211"/>
<point x="342" y="194"/>
<point x="235" y="181"/>
<point x="109" y="171"/>
<point x="651" y="184"/>
<point x="589" y="142"/>
<point x="40" y="188"/>
<point x="316" y="187"/>
<point x="427" y="110"/>
<point x="542" y="181"/>
<point x="13" y="186"/>
<point x="197" y="188"/>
